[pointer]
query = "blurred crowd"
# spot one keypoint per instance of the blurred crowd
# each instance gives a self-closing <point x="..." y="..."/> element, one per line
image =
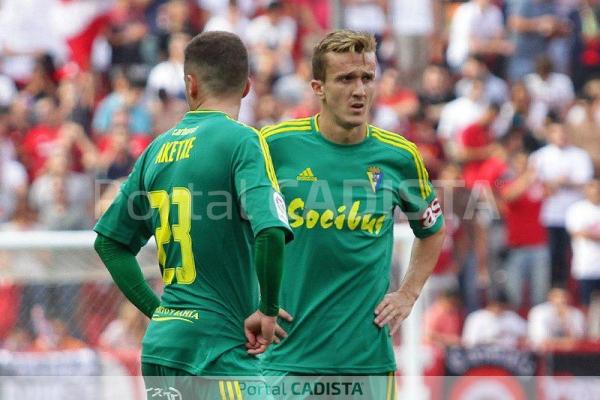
<point x="502" y="97"/>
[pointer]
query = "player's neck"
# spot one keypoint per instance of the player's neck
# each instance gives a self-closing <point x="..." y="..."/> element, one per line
<point x="229" y="107"/>
<point x="336" y="133"/>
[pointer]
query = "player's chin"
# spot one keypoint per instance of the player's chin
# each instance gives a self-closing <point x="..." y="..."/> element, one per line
<point x="357" y="118"/>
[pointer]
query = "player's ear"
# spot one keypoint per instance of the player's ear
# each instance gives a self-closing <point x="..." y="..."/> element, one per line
<point x="191" y="86"/>
<point x="247" y="88"/>
<point x="317" y="88"/>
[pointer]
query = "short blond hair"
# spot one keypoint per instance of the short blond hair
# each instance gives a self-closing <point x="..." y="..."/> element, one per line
<point x="340" y="41"/>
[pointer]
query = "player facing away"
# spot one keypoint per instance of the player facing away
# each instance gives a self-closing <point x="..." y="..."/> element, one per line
<point x="342" y="179"/>
<point x="207" y="191"/>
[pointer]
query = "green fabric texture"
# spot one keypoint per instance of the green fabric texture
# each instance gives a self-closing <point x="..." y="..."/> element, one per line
<point x="269" y="267"/>
<point x="126" y="273"/>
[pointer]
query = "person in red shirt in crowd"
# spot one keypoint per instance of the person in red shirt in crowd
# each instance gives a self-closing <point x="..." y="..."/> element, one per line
<point x="528" y="259"/>
<point x="51" y="132"/>
<point x="475" y="145"/>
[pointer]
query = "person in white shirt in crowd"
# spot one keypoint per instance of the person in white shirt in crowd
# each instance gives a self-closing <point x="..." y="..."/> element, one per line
<point x="459" y="113"/>
<point x="270" y="39"/>
<point x="220" y="7"/>
<point x="553" y="89"/>
<point x="417" y="26"/>
<point x="168" y="75"/>
<point x="366" y="16"/>
<point x="564" y="170"/>
<point x="8" y="89"/>
<point x="477" y="27"/>
<point x="583" y="223"/>
<point x="522" y="114"/>
<point x="555" y="325"/>
<point x="232" y="20"/>
<point x="494" y="325"/>
<point x="495" y="89"/>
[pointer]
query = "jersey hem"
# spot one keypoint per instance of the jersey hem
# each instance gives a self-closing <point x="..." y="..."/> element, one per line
<point x="114" y="235"/>
<point x="170" y="363"/>
<point x="190" y="369"/>
<point x="291" y="369"/>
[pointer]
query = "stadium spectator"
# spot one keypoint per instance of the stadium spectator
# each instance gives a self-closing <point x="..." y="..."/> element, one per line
<point x="127" y="29"/>
<point x="394" y="105"/>
<point x="127" y="92"/>
<point x="477" y="28"/>
<point x="76" y="97"/>
<point x="270" y="39"/>
<point x="165" y="111"/>
<point x="522" y="115"/>
<point x="443" y="320"/>
<point x="42" y="82"/>
<point x="366" y="16"/>
<point x="494" y="325"/>
<point x="417" y="27"/>
<point x="528" y="261"/>
<point x="583" y="120"/>
<point x="62" y="197"/>
<point x="495" y="89"/>
<point x="174" y="17"/>
<point x="553" y="89"/>
<point x="220" y="7"/>
<point x="563" y="169"/>
<point x="168" y="75"/>
<point x="436" y="90"/>
<point x="420" y="130"/>
<point x="52" y="133"/>
<point x="533" y="24"/>
<point x="116" y="159"/>
<point x="475" y="145"/>
<point x="231" y="20"/>
<point x="555" y="325"/>
<point x="459" y="114"/>
<point x="583" y="224"/>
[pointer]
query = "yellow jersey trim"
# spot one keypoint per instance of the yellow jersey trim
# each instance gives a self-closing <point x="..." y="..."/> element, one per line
<point x="161" y="319"/>
<point x="265" y="152"/>
<point x="400" y="142"/>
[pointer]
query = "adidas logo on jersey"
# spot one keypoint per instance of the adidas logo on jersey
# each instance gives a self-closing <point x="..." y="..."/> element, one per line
<point x="307" y="175"/>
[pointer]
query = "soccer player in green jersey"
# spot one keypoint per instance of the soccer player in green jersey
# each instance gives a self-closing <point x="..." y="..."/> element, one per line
<point x="207" y="191"/>
<point x="342" y="179"/>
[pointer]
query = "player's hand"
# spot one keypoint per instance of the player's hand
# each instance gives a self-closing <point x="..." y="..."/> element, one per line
<point x="393" y="309"/>
<point x="261" y="330"/>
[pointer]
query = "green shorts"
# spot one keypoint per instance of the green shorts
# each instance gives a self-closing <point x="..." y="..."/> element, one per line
<point x="233" y="376"/>
<point x="300" y="386"/>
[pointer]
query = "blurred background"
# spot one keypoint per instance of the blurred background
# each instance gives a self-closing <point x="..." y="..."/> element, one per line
<point x="501" y="97"/>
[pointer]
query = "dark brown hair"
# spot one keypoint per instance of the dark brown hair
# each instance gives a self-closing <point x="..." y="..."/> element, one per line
<point x="219" y="60"/>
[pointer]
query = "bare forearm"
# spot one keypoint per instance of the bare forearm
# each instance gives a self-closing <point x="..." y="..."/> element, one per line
<point x="424" y="256"/>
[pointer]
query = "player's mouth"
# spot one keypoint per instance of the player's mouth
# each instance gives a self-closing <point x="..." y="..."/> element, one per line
<point x="358" y="107"/>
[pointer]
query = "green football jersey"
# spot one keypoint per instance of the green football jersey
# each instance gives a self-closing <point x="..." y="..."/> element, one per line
<point x="340" y="201"/>
<point x="204" y="189"/>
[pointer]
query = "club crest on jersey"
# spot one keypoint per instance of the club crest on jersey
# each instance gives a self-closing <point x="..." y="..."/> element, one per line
<point x="375" y="177"/>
